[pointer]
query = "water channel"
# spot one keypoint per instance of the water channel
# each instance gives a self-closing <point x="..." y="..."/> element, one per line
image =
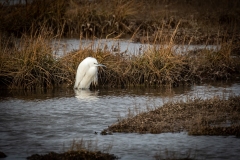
<point x="64" y="46"/>
<point x="49" y="121"/>
<point x="44" y="121"/>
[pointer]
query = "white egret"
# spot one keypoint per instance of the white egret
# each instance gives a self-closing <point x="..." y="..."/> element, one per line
<point x="87" y="73"/>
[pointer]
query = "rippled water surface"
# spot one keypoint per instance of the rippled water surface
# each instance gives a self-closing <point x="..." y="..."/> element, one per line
<point x="49" y="121"/>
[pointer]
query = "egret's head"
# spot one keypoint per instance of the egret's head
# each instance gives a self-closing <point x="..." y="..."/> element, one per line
<point x="93" y="62"/>
<point x="98" y="64"/>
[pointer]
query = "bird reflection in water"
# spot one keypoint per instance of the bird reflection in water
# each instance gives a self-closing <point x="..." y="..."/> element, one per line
<point x="86" y="94"/>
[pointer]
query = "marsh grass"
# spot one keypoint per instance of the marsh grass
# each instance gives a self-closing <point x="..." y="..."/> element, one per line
<point x="209" y="64"/>
<point x="124" y="18"/>
<point x="29" y="63"/>
<point x="72" y="18"/>
<point x="214" y="116"/>
<point x="79" y="150"/>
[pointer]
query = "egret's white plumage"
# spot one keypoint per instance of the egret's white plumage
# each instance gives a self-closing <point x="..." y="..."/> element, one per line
<point x="87" y="73"/>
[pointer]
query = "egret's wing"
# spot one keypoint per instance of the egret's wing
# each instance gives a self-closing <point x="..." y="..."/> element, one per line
<point x="90" y="76"/>
<point x="81" y="72"/>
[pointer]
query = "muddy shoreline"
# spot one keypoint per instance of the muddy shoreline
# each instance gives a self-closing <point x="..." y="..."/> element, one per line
<point x="214" y="116"/>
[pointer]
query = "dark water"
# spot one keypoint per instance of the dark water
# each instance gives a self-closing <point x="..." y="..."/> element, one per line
<point x="47" y="121"/>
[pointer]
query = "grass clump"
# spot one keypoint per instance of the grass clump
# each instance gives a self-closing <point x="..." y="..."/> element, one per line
<point x="28" y="63"/>
<point x="196" y="116"/>
<point x="209" y="64"/>
<point x="79" y="150"/>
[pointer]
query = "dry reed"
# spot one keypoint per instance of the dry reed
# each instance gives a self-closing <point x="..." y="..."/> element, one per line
<point x="28" y="63"/>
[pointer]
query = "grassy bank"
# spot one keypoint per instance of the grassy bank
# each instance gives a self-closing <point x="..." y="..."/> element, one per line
<point x="142" y="20"/>
<point x="214" y="116"/>
<point x="29" y="63"/>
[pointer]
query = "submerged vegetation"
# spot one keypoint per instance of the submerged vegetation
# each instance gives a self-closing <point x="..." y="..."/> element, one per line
<point x="214" y="116"/>
<point x="28" y="29"/>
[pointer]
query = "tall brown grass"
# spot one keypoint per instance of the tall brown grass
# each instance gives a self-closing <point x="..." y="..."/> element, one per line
<point x="29" y="63"/>
<point x="72" y="18"/>
<point x="104" y="18"/>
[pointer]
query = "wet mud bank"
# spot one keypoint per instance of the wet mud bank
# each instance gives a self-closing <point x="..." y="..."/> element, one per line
<point x="214" y="116"/>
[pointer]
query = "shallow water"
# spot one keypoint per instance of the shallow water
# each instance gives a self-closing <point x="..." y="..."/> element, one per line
<point x="47" y="121"/>
<point x="64" y="46"/>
